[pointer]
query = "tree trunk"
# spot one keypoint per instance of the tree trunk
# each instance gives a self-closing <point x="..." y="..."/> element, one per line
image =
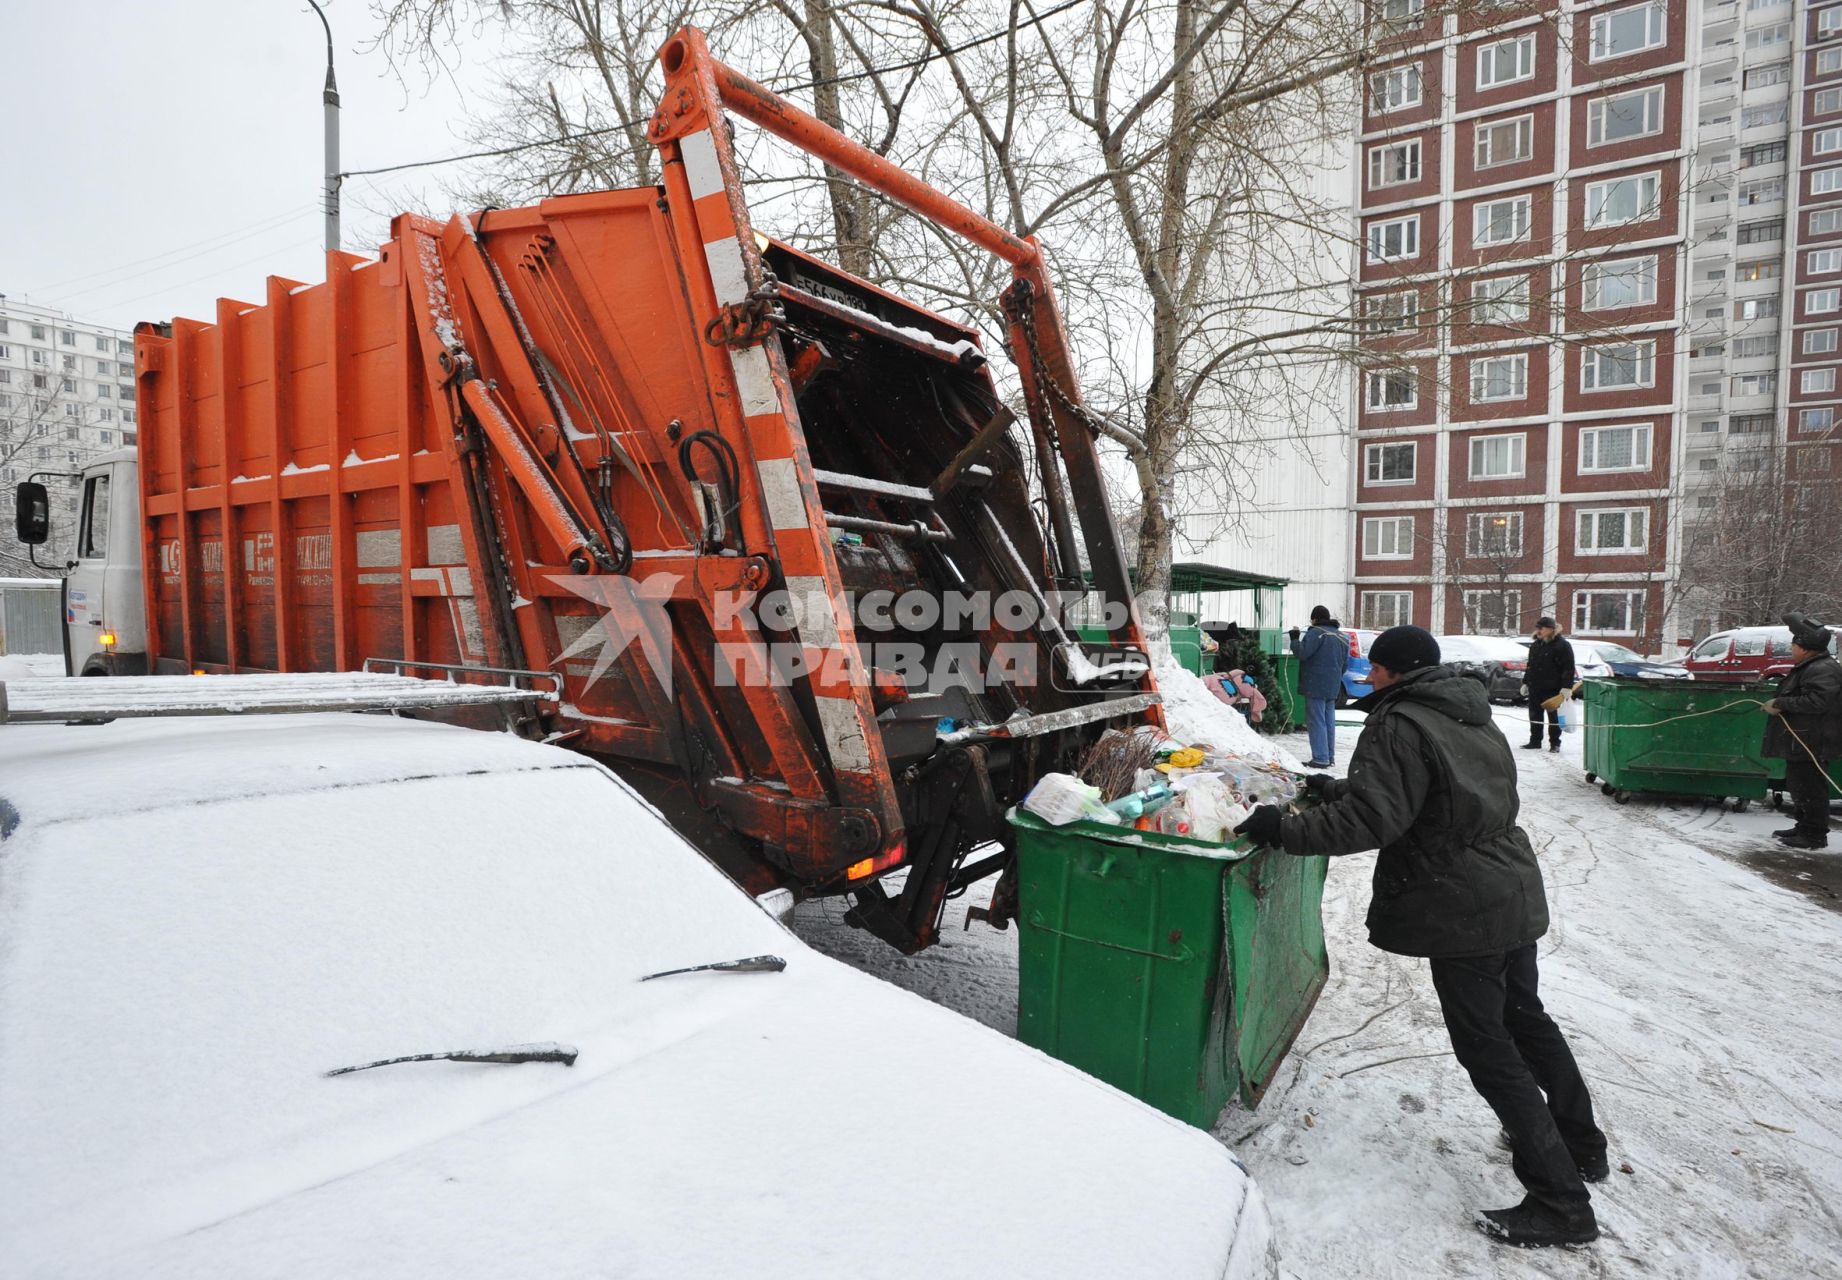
<point x="850" y="211"/>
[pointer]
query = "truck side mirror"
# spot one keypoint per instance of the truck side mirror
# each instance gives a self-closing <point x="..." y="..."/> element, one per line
<point x="32" y="513"/>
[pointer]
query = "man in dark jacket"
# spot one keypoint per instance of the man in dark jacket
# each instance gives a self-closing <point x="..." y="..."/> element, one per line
<point x="1804" y="729"/>
<point x="1550" y="672"/>
<point x="1433" y="786"/>
<point x="1323" y="656"/>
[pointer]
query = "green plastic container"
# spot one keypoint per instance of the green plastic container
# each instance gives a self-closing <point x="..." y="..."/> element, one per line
<point x="1185" y="644"/>
<point x="1712" y="754"/>
<point x="1176" y="970"/>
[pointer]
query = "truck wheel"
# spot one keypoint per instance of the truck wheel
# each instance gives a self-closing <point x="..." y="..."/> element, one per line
<point x="1621" y="797"/>
<point x="1607" y="788"/>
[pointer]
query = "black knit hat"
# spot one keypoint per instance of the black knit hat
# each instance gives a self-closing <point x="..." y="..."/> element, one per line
<point x="1404" y="649"/>
<point x="1808" y="632"/>
<point x="1546" y="621"/>
<point x="1319" y="613"/>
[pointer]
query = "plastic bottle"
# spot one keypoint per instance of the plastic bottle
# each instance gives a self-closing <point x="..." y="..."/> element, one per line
<point x="1139" y="803"/>
<point x="1172" y="820"/>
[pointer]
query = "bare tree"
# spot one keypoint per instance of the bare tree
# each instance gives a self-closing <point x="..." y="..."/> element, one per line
<point x="1768" y="546"/>
<point x="41" y="421"/>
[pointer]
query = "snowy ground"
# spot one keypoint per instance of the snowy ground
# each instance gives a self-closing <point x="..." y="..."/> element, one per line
<point x="1693" y="965"/>
<point x="30" y="666"/>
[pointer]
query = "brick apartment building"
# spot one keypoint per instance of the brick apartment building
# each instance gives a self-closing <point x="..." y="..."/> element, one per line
<point x="1575" y="224"/>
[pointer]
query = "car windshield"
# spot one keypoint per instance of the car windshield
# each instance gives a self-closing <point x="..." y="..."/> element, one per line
<point x="234" y="951"/>
<point x="1615" y="652"/>
<point x="1481" y="649"/>
<point x="1713" y="646"/>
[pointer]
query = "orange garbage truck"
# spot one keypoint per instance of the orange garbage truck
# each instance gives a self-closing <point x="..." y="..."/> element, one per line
<point x="798" y="569"/>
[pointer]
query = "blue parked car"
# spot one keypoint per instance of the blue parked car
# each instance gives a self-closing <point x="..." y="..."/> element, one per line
<point x="1356" y="675"/>
<point x="1631" y="665"/>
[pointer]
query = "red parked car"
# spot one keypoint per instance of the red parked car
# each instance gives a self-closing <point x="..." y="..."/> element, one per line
<point x="1744" y="654"/>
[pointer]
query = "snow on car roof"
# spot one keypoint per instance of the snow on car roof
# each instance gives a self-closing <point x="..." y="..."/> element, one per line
<point x="54" y="773"/>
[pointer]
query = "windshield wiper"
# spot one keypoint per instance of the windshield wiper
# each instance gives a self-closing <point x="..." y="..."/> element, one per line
<point x="546" y="1052"/>
<point x="749" y="964"/>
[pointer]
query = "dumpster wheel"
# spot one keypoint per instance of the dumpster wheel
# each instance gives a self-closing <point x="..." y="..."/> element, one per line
<point x="1607" y="788"/>
<point x="1741" y="804"/>
<point x="1621" y="797"/>
<point x="1591" y="777"/>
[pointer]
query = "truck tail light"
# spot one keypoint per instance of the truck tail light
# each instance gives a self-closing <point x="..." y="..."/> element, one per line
<point x="867" y="867"/>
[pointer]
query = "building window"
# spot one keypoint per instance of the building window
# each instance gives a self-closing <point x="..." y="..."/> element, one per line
<point x="1825" y="222"/>
<point x="1608" y="613"/>
<point x="1394" y="238"/>
<point x="1500" y="221"/>
<point x="1605" y="449"/>
<point x="1494" y="533"/>
<point x="1763" y="114"/>
<point x="66" y="337"/>
<point x="1814" y="461"/>
<point x="1391" y="312"/>
<point x="1755" y="384"/>
<point x="1765" y="77"/>
<point x="1388" y="538"/>
<point x="1497" y="457"/>
<point x="1394" y="163"/>
<point x="1499" y="378"/>
<point x="1493" y="613"/>
<point x="1628" y="282"/>
<point x="1764" y="153"/>
<point x="1820" y="302"/>
<point x="1823" y="262"/>
<point x="1815" y="419"/>
<point x="1826" y="102"/>
<point x="38" y="357"/>
<point x="1617" y="201"/>
<point x="39" y="382"/>
<point x="1758" y="269"/>
<point x="65" y="384"/>
<point x="125" y="370"/>
<point x="1500" y="300"/>
<point x="125" y="391"/>
<point x="1818" y="341"/>
<point x="1825" y="182"/>
<point x="6" y="353"/>
<point x="1751" y="424"/>
<point x="1615" y="365"/>
<point x="1761" y="191"/>
<point x="1388" y="463"/>
<point x="102" y="391"/>
<point x="1384" y="609"/>
<point x="1826" y="141"/>
<point x="1828" y="22"/>
<point x="1769" y="37"/>
<point x="1755" y="308"/>
<point x="1612" y="531"/>
<point x="1828" y="61"/>
<point x="1400" y="12"/>
<point x="1764" y="344"/>
<point x="70" y="364"/>
<point x="1396" y="89"/>
<point x="1760" y="232"/>
<point x="1505" y="61"/>
<point x="1390" y="389"/>
<point x="1624" y="116"/>
<point x="1816" y="381"/>
<point x="1623" y="32"/>
<point x="1505" y="141"/>
<point x="38" y="332"/>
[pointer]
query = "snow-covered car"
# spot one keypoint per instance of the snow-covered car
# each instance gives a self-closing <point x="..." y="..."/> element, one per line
<point x="203" y="921"/>
<point x="1628" y="664"/>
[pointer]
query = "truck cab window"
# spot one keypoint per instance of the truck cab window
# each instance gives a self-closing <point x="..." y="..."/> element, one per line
<point x="94" y="544"/>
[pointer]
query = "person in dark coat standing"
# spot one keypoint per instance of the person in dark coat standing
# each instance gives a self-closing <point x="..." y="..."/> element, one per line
<point x="1550" y="671"/>
<point x="1323" y="656"/>
<point x="1433" y="786"/>
<point x="1804" y="729"/>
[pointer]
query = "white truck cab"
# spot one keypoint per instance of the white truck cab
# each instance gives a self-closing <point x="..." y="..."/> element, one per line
<point x="105" y="617"/>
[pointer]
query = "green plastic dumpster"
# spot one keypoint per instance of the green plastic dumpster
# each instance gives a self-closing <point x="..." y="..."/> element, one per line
<point x="1176" y="970"/>
<point x="1678" y="737"/>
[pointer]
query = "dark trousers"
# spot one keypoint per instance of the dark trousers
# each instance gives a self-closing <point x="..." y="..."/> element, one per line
<point x="1536" y="712"/>
<point x="1515" y="1054"/>
<point x="1809" y="788"/>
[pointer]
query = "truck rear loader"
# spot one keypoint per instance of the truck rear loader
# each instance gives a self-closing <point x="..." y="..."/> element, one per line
<point x="705" y="478"/>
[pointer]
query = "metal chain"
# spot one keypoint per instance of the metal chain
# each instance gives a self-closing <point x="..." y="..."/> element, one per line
<point x="1026" y="319"/>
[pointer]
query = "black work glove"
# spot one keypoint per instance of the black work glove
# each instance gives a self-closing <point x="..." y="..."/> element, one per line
<point x="1262" y="825"/>
<point x="1318" y="783"/>
<point x="1294" y="633"/>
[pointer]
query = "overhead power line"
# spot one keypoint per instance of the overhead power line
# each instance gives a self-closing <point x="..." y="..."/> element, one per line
<point x="563" y="138"/>
<point x="232" y="236"/>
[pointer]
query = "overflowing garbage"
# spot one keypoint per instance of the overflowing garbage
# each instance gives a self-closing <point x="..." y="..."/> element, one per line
<point x="1151" y="782"/>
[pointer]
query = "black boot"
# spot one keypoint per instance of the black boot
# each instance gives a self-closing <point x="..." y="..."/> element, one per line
<point x="1782" y="832"/>
<point x="1529" y="1226"/>
<point x="1532" y="746"/>
<point x="1554" y="746"/>
<point x="1803" y="840"/>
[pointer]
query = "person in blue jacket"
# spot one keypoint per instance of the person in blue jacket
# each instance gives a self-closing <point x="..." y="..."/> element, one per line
<point x="1323" y="656"/>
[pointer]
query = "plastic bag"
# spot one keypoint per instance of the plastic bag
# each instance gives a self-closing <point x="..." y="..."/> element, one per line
<point x="1061" y="798"/>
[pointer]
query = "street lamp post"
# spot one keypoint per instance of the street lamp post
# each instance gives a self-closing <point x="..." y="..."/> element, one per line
<point x="330" y="107"/>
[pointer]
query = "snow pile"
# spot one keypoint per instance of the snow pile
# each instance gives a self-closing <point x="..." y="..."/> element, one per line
<point x="1197" y="716"/>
